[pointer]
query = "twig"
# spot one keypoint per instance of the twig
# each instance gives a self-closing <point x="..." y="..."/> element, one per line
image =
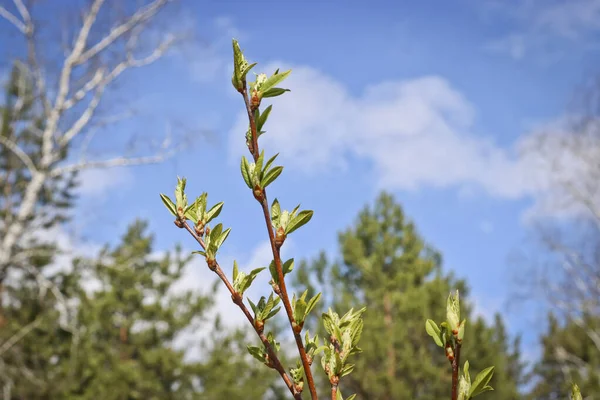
<point x="16" y="150"/>
<point x="334" y="392"/>
<point x="277" y="257"/>
<point x="237" y="299"/>
<point x="13" y="19"/>
<point x="10" y="342"/>
<point x="455" y="371"/>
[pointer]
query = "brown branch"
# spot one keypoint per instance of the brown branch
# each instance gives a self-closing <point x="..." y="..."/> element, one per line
<point x="237" y="299"/>
<point x="334" y="392"/>
<point x="455" y="371"/>
<point x="277" y="257"/>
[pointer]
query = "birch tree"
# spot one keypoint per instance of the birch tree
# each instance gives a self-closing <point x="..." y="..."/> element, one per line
<point x="99" y="51"/>
<point x="564" y="270"/>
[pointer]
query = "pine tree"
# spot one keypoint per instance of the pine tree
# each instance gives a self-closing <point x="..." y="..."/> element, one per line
<point x="387" y="266"/>
<point x="569" y="355"/>
<point x="128" y="314"/>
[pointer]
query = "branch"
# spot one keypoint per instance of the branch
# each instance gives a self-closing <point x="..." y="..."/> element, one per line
<point x="13" y="19"/>
<point x="12" y="146"/>
<point x="99" y="83"/>
<point x="20" y="334"/>
<point x="238" y="300"/>
<point x="113" y="162"/>
<point x="254" y="150"/>
<point x="142" y="15"/>
<point x="455" y="371"/>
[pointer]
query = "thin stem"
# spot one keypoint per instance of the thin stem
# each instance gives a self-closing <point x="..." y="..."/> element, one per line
<point x="237" y="299"/>
<point x="455" y="372"/>
<point x="277" y="258"/>
<point x="334" y="392"/>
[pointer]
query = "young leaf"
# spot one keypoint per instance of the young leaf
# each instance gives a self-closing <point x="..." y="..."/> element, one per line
<point x="262" y="119"/>
<point x="275" y="212"/>
<point x="268" y="164"/>
<point x="575" y="392"/>
<point x="250" y="278"/>
<point x="274" y="92"/>
<point x="235" y="270"/>
<point x="169" y="204"/>
<point x="480" y="384"/>
<point x="274" y="80"/>
<point x="246" y="173"/>
<point x="434" y="331"/>
<point x="287" y="266"/>
<point x="271" y="176"/>
<point x="222" y="237"/>
<point x="214" y="212"/>
<point x="312" y="303"/>
<point x="257" y="353"/>
<point x="301" y="219"/>
<point x="259" y="162"/>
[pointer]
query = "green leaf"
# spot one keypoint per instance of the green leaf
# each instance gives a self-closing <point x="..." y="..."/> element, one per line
<point x="268" y="164"/>
<point x="480" y="384"/>
<point x="257" y="353"/>
<point x="214" y="212"/>
<point x="453" y="311"/>
<point x="222" y="237"/>
<point x="271" y="176"/>
<point x="275" y="212"/>
<point x="180" y="197"/>
<point x="461" y="330"/>
<point x="254" y="309"/>
<point x="274" y="92"/>
<point x="273" y="80"/>
<point x="299" y="308"/>
<point x="312" y="303"/>
<point x="235" y="270"/>
<point x="246" y="174"/>
<point x="348" y="368"/>
<point x="169" y="204"/>
<point x="202" y="253"/>
<point x="259" y="163"/>
<point x="301" y="219"/>
<point x="250" y="278"/>
<point x="575" y="392"/>
<point x="328" y="322"/>
<point x="262" y="119"/>
<point x="434" y="331"/>
<point x="287" y="266"/>
<point x="351" y="397"/>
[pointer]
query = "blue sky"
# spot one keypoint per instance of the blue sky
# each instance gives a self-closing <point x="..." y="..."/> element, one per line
<point x="429" y="100"/>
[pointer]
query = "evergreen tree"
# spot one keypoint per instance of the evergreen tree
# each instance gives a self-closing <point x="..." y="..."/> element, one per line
<point x="569" y="355"/>
<point x="388" y="267"/>
<point x="128" y="315"/>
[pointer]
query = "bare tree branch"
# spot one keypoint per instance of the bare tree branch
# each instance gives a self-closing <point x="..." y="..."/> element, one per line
<point x="13" y="19"/>
<point x="141" y="16"/>
<point x="22" y="332"/>
<point x="113" y="162"/>
<point x="16" y="150"/>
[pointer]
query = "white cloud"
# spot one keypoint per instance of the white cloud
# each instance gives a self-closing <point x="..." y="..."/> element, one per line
<point x="419" y="133"/>
<point x="545" y="25"/>
<point x="98" y="182"/>
<point x="414" y="133"/>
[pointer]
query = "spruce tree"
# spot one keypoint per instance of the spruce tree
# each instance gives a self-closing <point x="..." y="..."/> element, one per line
<point x="569" y="355"/>
<point x="386" y="265"/>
